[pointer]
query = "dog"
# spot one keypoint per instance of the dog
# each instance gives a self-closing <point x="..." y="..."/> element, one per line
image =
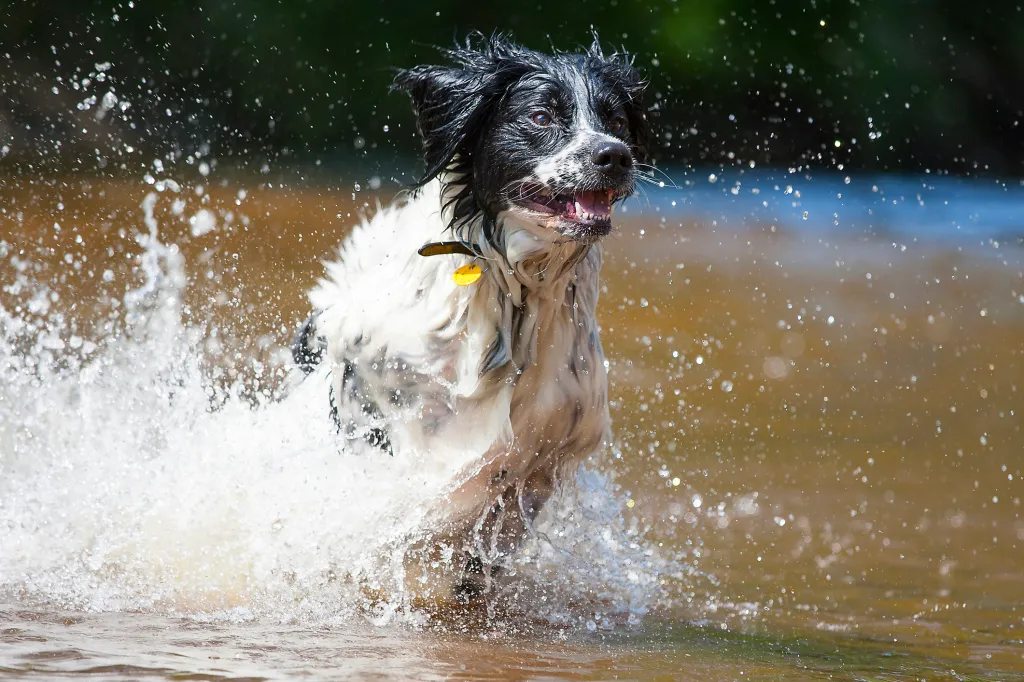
<point x="463" y="316"/>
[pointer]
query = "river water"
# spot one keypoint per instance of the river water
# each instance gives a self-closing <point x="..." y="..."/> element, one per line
<point x="816" y="472"/>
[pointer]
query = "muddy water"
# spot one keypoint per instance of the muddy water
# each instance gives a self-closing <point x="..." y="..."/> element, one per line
<point x="822" y="427"/>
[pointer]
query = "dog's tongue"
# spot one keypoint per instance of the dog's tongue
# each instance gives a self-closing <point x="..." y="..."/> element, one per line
<point x="593" y="203"/>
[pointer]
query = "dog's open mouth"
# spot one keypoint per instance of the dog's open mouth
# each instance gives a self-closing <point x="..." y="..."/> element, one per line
<point x="587" y="207"/>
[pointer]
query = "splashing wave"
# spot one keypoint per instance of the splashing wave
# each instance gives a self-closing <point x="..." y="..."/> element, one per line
<point x="130" y="481"/>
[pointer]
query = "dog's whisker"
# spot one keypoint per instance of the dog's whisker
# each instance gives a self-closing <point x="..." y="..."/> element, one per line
<point x="654" y="170"/>
<point x="647" y="197"/>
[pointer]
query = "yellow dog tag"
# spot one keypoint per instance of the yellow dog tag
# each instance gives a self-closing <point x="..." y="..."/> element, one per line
<point x="467" y="274"/>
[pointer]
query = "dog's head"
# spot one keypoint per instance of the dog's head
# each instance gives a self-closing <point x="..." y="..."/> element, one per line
<point x="551" y="140"/>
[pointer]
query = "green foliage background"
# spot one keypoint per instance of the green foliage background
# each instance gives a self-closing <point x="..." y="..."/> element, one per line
<point x="866" y="84"/>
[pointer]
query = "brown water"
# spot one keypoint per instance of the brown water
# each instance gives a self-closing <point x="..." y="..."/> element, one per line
<point x="825" y="431"/>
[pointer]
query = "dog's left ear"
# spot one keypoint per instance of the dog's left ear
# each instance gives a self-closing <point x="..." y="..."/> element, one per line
<point x="453" y="102"/>
<point x="618" y="71"/>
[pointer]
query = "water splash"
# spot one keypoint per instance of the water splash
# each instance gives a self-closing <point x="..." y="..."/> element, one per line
<point x="130" y="481"/>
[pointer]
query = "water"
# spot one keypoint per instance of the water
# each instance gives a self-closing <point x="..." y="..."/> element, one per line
<point x="953" y="210"/>
<point x="816" y="469"/>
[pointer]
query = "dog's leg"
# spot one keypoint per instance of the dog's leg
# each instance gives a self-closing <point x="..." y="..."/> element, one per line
<point x="486" y="543"/>
<point x="474" y="581"/>
<point x="534" y="494"/>
<point x="500" y="530"/>
<point x="307" y="348"/>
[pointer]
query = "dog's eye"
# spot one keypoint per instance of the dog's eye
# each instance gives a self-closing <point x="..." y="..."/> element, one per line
<point x="617" y="125"/>
<point x="541" y="118"/>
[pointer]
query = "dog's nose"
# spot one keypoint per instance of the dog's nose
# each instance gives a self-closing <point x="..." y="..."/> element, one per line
<point x="612" y="157"/>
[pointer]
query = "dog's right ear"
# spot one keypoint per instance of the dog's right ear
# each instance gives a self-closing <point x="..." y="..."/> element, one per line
<point x="452" y="103"/>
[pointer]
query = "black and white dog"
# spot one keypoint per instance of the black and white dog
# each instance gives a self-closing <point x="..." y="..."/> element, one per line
<point x="464" y="315"/>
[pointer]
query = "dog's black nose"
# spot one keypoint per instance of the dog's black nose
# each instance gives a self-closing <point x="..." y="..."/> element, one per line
<point x="612" y="157"/>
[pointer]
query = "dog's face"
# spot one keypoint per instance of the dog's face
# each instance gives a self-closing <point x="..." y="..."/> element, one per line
<point x="553" y="140"/>
<point x="559" y="149"/>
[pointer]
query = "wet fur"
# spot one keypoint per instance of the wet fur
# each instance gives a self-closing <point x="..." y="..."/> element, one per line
<point x="510" y="367"/>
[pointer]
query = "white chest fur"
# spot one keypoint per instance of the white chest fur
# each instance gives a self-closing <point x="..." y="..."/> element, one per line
<point x="510" y="367"/>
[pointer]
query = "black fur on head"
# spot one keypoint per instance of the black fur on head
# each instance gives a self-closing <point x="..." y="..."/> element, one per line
<point x="553" y="138"/>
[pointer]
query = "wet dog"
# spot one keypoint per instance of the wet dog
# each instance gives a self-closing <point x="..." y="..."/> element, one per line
<point x="463" y="317"/>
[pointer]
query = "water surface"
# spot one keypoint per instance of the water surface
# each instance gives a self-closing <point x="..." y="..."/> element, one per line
<point x="815" y="474"/>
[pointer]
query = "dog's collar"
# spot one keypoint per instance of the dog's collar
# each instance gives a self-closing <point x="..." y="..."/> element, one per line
<point x="463" y="276"/>
<point x="445" y="248"/>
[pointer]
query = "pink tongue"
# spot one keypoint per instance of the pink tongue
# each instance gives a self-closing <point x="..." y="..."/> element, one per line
<point x="594" y="203"/>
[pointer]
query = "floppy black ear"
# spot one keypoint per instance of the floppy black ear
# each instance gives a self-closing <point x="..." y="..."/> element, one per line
<point x="446" y="107"/>
<point x="453" y="102"/>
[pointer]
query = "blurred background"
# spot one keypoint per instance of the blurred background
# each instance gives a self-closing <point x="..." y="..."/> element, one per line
<point x="916" y="85"/>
